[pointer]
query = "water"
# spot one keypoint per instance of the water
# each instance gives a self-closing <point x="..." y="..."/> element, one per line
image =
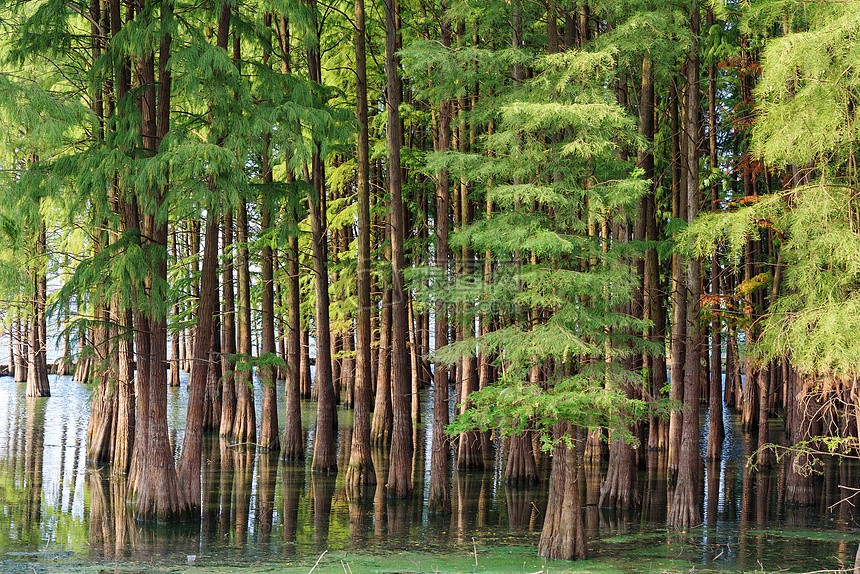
<point x="60" y="513"/>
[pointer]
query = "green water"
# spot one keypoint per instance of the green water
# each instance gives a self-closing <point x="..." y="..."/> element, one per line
<point x="60" y="514"/>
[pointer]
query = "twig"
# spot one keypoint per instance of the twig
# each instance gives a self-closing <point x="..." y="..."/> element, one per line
<point x="475" y="546"/>
<point x="845" y="498"/>
<point x="318" y="561"/>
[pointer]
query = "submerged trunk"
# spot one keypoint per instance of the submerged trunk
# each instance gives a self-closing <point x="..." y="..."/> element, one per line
<point x="325" y="454"/>
<point x="228" y="328"/>
<point x="563" y="533"/>
<point x="439" y="498"/>
<point x="159" y="496"/>
<point x="684" y="510"/>
<point x="37" y="364"/>
<point x="190" y="463"/>
<point x="360" y="471"/>
<point x="293" y="447"/>
<point x="245" y="421"/>
<point x="380" y="430"/>
<point x="620" y="488"/>
<point x="269" y="438"/>
<point x="521" y="467"/>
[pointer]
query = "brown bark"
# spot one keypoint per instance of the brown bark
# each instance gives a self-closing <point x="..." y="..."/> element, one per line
<point x="190" y="462"/>
<point x="293" y="447"/>
<point x="325" y="454"/>
<point x="37" y="364"/>
<point x="763" y="385"/>
<point x="470" y="453"/>
<point x="103" y="409"/>
<point x="269" y="432"/>
<point x="652" y="299"/>
<point x="400" y="469"/>
<point x="245" y="421"/>
<point x="380" y="430"/>
<point x="305" y="385"/>
<point x="620" y="488"/>
<point x="228" y="331"/>
<point x="21" y="353"/>
<point x="676" y="387"/>
<point x="521" y="467"/>
<point x="803" y="424"/>
<point x="685" y="511"/>
<point x="177" y="309"/>
<point x="360" y="471"/>
<point x="124" y="433"/>
<point x="563" y="533"/>
<point x="716" y="431"/>
<point x="158" y="493"/>
<point x="439" y="498"/>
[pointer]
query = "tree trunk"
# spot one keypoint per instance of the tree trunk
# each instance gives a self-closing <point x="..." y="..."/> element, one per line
<point x="360" y="471"/>
<point x="305" y="384"/>
<point x="228" y="331"/>
<point x="716" y="432"/>
<point x="100" y="430"/>
<point x="158" y="493"/>
<point x="245" y="421"/>
<point x="175" y="364"/>
<point x="22" y="353"/>
<point x="620" y="488"/>
<point x="652" y="299"/>
<point x="124" y="433"/>
<point x="267" y="370"/>
<point x="563" y="533"/>
<point x="293" y="447"/>
<point x="685" y="511"/>
<point x="190" y="462"/>
<point x="380" y="430"/>
<point x="400" y="470"/>
<point x="439" y="498"/>
<point x="521" y="467"/>
<point x="679" y="293"/>
<point x="325" y="454"/>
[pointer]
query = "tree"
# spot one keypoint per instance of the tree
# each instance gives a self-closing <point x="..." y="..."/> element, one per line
<point x="400" y="470"/>
<point x="325" y="456"/>
<point x="360" y="471"/>
<point x="685" y="510"/>
<point x="581" y="179"/>
<point x="803" y="95"/>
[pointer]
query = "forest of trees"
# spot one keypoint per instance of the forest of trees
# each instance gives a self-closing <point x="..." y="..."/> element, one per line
<point x="582" y="222"/>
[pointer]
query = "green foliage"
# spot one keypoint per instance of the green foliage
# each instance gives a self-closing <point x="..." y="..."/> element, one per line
<point x="806" y="126"/>
<point x="514" y="405"/>
<point x="553" y="165"/>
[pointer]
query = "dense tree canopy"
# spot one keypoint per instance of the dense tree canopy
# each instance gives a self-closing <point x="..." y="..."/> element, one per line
<point x="577" y="220"/>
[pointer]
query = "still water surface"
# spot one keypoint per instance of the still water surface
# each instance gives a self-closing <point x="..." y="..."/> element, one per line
<point x="60" y="513"/>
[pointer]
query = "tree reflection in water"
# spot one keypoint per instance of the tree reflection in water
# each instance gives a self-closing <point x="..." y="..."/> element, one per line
<point x="256" y="506"/>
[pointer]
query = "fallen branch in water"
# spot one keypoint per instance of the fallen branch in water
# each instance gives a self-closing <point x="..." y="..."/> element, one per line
<point x="318" y="561"/>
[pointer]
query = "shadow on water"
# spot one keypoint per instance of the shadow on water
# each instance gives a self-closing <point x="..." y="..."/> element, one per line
<point x="55" y="509"/>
